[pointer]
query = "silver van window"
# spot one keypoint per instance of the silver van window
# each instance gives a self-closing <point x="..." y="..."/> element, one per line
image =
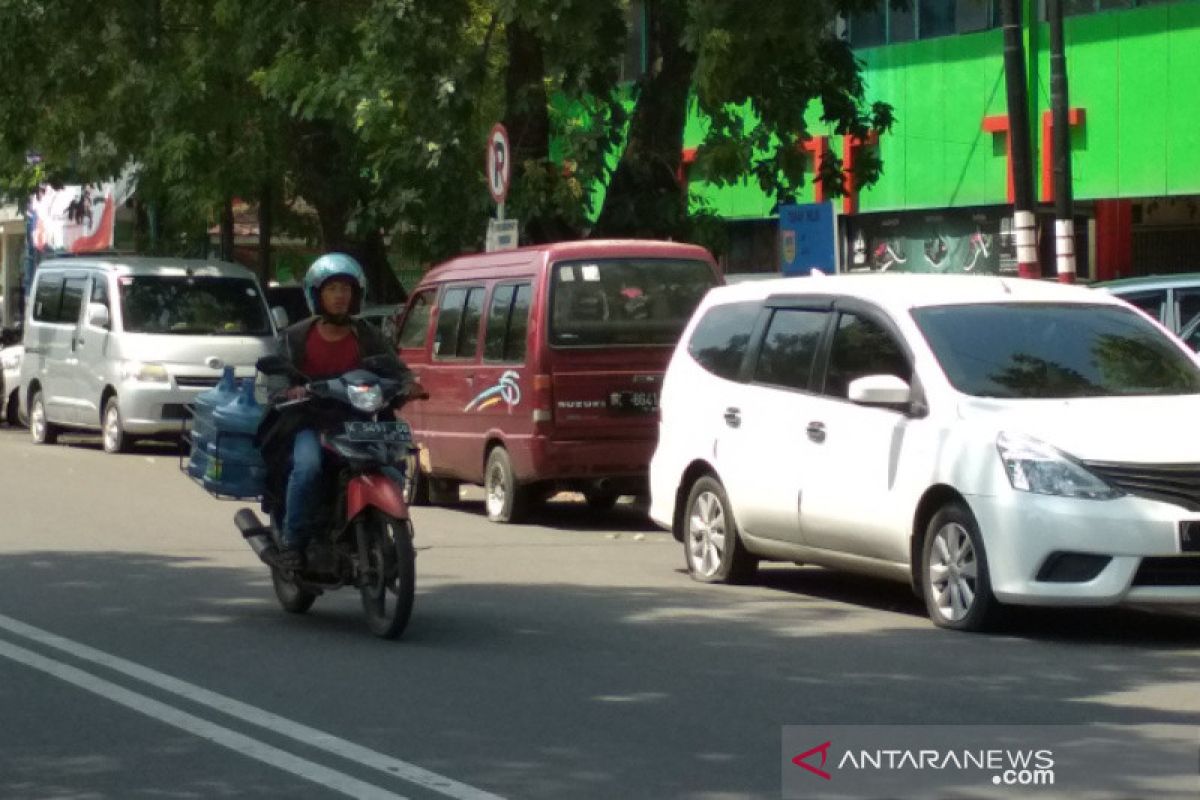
<point x="178" y="304"/>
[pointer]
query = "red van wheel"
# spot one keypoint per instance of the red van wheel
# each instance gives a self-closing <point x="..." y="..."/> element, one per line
<point x="504" y="499"/>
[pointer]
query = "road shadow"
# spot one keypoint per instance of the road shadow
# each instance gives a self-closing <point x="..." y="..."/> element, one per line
<point x="149" y="447"/>
<point x="568" y="511"/>
<point x="555" y="689"/>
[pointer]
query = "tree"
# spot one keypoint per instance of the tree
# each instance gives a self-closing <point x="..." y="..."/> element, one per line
<point x="754" y="76"/>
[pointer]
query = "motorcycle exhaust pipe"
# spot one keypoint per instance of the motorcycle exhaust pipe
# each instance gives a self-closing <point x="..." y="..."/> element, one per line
<point x="255" y="533"/>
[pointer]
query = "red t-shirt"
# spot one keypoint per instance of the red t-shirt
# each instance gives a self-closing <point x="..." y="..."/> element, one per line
<point x="326" y="359"/>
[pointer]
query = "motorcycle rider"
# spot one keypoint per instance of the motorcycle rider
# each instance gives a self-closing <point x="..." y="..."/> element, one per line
<point x="326" y="345"/>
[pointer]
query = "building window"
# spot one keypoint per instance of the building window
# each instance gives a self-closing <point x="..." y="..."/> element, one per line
<point x="869" y="28"/>
<point x="921" y="19"/>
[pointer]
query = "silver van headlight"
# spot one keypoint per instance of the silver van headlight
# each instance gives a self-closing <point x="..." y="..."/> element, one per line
<point x="141" y="371"/>
<point x="365" y="398"/>
<point x="1034" y="466"/>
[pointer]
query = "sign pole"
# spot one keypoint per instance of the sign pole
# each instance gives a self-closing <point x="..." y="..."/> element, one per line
<point x="501" y="234"/>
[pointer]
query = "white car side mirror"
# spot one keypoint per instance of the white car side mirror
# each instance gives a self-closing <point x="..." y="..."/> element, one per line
<point x="879" y="390"/>
<point x="97" y="315"/>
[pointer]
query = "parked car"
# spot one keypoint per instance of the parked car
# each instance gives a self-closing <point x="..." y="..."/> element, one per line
<point x="1173" y="300"/>
<point x="543" y="367"/>
<point x="289" y="297"/>
<point x="987" y="440"/>
<point x="10" y="381"/>
<point x="384" y="317"/>
<point x="122" y="345"/>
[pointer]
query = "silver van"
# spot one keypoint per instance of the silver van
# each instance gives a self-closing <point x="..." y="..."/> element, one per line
<point x="121" y="345"/>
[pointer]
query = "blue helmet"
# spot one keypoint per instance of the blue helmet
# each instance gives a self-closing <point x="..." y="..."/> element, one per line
<point x="333" y="265"/>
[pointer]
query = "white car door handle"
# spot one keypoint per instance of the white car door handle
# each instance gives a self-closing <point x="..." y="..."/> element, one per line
<point x="816" y="431"/>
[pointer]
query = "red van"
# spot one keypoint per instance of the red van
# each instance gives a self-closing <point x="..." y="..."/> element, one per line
<point x="543" y="367"/>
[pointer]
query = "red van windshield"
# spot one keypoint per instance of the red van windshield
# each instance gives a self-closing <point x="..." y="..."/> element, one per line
<point x="624" y="301"/>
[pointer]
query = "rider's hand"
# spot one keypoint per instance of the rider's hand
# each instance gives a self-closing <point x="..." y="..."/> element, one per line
<point x="296" y="392"/>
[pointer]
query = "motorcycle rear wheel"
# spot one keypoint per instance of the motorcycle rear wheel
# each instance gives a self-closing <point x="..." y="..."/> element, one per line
<point x="389" y="580"/>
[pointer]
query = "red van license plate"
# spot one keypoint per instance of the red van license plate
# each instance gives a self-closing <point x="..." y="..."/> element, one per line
<point x="636" y="402"/>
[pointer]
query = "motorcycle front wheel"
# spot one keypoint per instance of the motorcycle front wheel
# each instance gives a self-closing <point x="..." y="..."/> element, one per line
<point x="389" y="576"/>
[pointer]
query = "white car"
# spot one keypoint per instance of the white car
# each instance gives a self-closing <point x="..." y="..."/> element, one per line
<point x="988" y="440"/>
<point x="10" y="381"/>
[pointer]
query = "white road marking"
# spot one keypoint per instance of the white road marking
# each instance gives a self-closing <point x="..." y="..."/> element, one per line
<point x="253" y="715"/>
<point x="240" y="744"/>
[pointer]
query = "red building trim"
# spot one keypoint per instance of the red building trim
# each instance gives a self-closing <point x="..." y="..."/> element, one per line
<point x="850" y="146"/>
<point x="999" y="124"/>
<point x="1075" y="118"/>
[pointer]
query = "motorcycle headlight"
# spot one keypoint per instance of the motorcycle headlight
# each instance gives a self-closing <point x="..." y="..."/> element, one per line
<point x="140" y="371"/>
<point x="365" y="398"/>
<point x="1034" y="466"/>
<point x="10" y="360"/>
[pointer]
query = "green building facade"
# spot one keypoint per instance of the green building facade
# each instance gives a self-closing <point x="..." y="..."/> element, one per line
<point x="943" y="202"/>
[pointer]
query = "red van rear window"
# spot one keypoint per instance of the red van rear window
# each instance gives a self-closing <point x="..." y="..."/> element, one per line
<point x="623" y="301"/>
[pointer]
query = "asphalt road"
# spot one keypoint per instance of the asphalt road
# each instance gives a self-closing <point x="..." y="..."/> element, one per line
<point x="142" y="655"/>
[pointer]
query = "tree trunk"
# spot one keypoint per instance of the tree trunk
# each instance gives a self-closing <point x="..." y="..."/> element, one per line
<point x="528" y="123"/>
<point x="266" y="221"/>
<point x="645" y="196"/>
<point x="227" y="229"/>
<point x="335" y="194"/>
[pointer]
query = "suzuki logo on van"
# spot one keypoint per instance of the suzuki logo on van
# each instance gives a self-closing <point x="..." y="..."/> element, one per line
<point x="505" y="389"/>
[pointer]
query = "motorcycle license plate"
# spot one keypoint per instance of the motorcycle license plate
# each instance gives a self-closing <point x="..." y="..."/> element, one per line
<point x="383" y="431"/>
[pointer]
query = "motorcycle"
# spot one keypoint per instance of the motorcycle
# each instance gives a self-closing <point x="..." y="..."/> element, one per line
<point x="366" y="541"/>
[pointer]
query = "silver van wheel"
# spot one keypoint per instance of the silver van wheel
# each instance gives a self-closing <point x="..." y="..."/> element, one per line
<point x="41" y="429"/>
<point x="115" y="440"/>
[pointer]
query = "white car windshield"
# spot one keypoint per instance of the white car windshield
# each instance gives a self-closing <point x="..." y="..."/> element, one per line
<point x="1055" y="350"/>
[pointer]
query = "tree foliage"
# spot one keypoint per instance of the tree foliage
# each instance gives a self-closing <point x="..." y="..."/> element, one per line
<point x="373" y="114"/>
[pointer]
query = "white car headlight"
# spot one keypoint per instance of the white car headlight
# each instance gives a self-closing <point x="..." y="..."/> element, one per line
<point x="1034" y="466"/>
<point x="140" y="371"/>
<point x="365" y="398"/>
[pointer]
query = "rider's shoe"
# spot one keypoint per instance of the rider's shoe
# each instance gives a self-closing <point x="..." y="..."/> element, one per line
<point x="290" y="558"/>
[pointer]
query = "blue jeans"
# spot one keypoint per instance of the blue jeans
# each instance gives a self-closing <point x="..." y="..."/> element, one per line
<point x="304" y="491"/>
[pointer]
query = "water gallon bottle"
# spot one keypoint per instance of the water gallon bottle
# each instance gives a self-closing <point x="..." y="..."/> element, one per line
<point x="239" y="470"/>
<point x="203" y="407"/>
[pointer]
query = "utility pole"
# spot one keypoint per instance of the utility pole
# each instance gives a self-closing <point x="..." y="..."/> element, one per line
<point x="1064" y="217"/>
<point x="1016" y="84"/>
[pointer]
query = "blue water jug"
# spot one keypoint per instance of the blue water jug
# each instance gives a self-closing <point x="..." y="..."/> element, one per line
<point x="235" y="468"/>
<point x="202" y="409"/>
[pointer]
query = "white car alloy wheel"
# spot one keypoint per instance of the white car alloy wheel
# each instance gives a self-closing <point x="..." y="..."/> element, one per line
<point x="712" y="548"/>
<point x="953" y="572"/>
<point x="956" y="584"/>
<point x="706" y="534"/>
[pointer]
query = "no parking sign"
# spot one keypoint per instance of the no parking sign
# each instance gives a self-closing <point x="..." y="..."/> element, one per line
<point x="499" y="170"/>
